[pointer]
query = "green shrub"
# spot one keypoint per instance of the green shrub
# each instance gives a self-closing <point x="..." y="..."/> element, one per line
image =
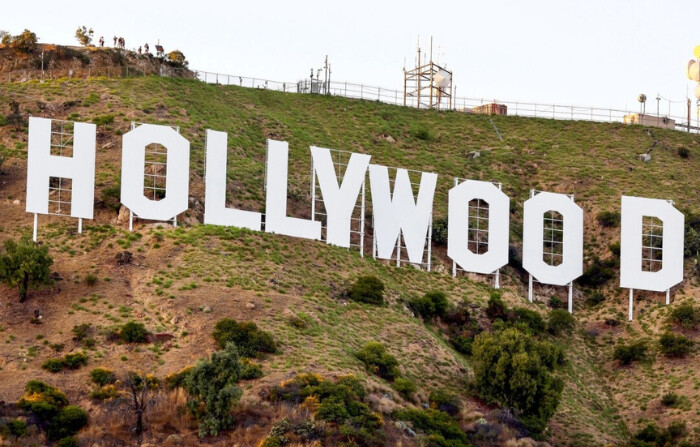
<point x="496" y="308"/>
<point x="105" y="392"/>
<point x="683" y="152"/>
<point x="429" y="305"/>
<point x="213" y="391"/>
<point x="686" y="315"/>
<point x="608" y="219"/>
<point x="405" y="387"/>
<point x="530" y="319"/>
<point x="103" y="120"/>
<point x="445" y="401"/>
<point x="67" y="423"/>
<point x="515" y="370"/>
<point x="70" y="441"/>
<point x="90" y="279"/>
<point x="102" y="376"/>
<point x="670" y="399"/>
<point x="75" y="360"/>
<point x="675" y="345"/>
<point x="595" y="298"/>
<point x="367" y="289"/>
<point x="16" y="427"/>
<point x="560" y="321"/>
<point x="378" y="361"/>
<point x="53" y="365"/>
<point x="556" y="303"/>
<point x="249" y="340"/>
<point x="111" y="197"/>
<point x="177" y="379"/>
<point x="81" y="331"/>
<point x="627" y="354"/>
<point x="42" y="400"/>
<point x="250" y="370"/>
<point x="462" y="344"/>
<point x="598" y="273"/>
<point x="441" y="429"/>
<point x="439" y="235"/>
<point x="133" y="332"/>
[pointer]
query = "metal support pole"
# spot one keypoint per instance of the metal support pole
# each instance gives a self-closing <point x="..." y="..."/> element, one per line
<point x="529" y="288"/>
<point x="374" y="240"/>
<point x="36" y="224"/>
<point x="497" y="282"/>
<point x="398" y="250"/>
<point x="175" y="221"/>
<point x="80" y="225"/>
<point x="631" y="306"/>
<point x="362" y="223"/>
<point x="454" y="269"/>
<point x="313" y="191"/>
<point x="668" y="296"/>
<point x="131" y="220"/>
<point x="430" y="238"/>
<point x="571" y="297"/>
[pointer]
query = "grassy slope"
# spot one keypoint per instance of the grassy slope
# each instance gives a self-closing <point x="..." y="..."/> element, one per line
<point x="267" y="278"/>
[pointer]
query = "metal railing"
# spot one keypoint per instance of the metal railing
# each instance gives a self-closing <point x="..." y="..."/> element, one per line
<point x="360" y="91"/>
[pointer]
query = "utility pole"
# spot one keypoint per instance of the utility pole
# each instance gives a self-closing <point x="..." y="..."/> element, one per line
<point x="325" y="75"/>
<point x="42" y="66"/>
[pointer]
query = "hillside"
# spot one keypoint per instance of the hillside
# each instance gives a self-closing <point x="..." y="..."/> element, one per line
<point x="182" y="280"/>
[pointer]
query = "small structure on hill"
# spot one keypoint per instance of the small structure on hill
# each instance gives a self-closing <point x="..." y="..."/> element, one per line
<point x="492" y="108"/>
<point x="429" y="83"/>
<point x="650" y="120"/>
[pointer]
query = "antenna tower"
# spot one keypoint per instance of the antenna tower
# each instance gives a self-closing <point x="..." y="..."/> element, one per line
<point x="429" y="83"/>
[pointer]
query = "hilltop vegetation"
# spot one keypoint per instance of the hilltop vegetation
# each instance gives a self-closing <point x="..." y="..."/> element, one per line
<point x="184" y="292"/>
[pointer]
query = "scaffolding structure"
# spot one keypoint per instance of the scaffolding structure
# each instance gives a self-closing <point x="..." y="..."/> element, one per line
<point x="429" y="83"/>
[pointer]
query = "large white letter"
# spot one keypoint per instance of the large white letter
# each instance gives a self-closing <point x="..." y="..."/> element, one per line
<point x="177" y="177"/>
<point x="339" y="201"/>
<point x="631" y="274"/>
<point x="401" y="214"/>
<point x="276" y="220"/>
<point x="80" y="168"/>
<point x="215" y="211"/>
<point x="458" y="226"/>
<point x="533" y="229"/>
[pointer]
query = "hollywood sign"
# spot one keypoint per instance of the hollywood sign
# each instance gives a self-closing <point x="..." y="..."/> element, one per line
<point x="396" y="213"/>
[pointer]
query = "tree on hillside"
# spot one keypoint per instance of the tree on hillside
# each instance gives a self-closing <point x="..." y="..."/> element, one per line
<point x="141" y="389"/>
<point x="213" y="390"/>
<point x="25" y="42"/>
<point x="5" y="37"/>
<point x="178" y="58"/>
<point x="515" y="370"/>
<point x="23" y="262"/>
<point x="84" y="36"/>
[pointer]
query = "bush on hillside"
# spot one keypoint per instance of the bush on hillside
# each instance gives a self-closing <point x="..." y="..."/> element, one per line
<point x="609" y="219"/>
<point x="560" y="321"/>
<point x="430" y="305"/>
<point x="378" y="361"/>
<point x="405" y="387"/>
<point x="67" y="423"/>
<point x="439" y="234"/>
<point x="133" y="332"/>
<point x="628" y="353"/>
<point x="367" y="289"/>
<point x="212" y="388"/>
<point x="515" y="370"/>
<point x="102" y="376"/>
<point x="249" y="340"/>
<point x="25" y="42"/>
<point x="496" y="308"/>
<point x="529" y="319"/>
<point x="672" y="345"/>
<point x="445" y="401"/>
<point x="440" y="428"/>
<point x="686" y="315"/>
<point x="598" y="273"/>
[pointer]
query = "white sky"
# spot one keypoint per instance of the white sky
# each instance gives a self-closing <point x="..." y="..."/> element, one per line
<point x="599" y="53"/>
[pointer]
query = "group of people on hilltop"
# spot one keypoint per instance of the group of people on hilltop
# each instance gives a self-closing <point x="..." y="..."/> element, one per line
<point x="119" y="42"/>
<point x="145" y="49"/>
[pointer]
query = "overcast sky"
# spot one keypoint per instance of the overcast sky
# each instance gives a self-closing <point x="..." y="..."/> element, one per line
<point x="599" y="53"/>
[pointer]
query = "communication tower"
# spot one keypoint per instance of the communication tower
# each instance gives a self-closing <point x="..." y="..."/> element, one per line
<point x="429" y="83"/>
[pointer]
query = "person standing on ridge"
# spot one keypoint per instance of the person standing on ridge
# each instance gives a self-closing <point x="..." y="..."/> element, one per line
<point x="115" y="41"/>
